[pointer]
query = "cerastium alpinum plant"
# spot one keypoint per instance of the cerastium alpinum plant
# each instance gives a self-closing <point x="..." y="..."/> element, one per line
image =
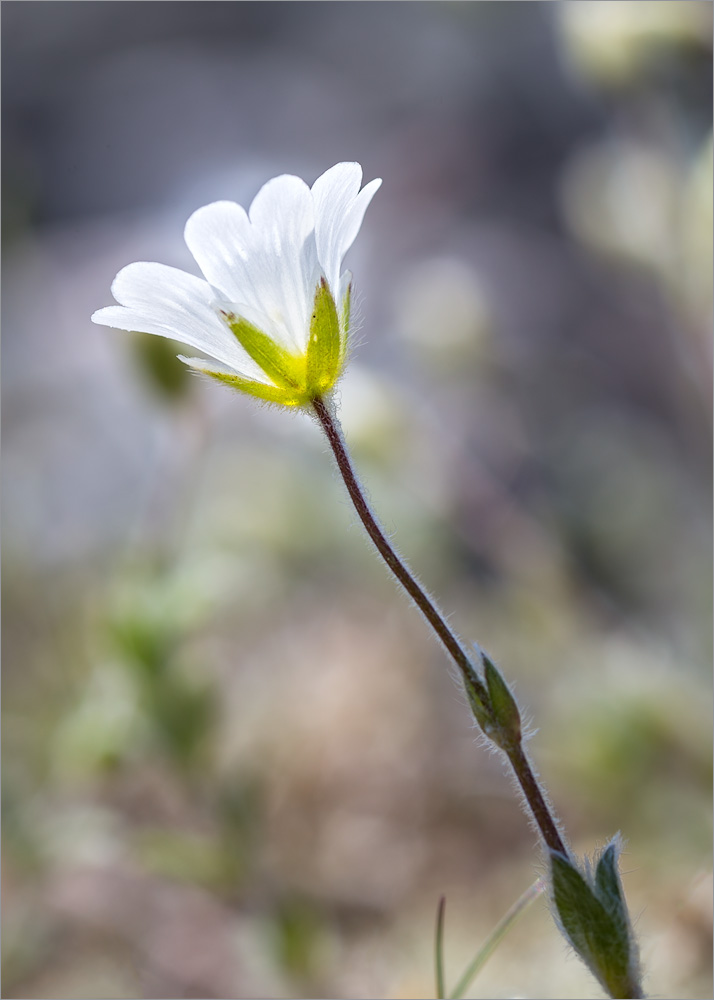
<point x="273" y="312"/>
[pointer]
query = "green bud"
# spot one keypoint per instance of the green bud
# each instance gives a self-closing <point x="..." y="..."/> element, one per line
<point x="594" y="920"/>
<point x="506" y="719"/>
<point x="493" y="705"/>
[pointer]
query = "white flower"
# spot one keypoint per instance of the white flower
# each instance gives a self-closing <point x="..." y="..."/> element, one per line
<point x="274" y="309"/>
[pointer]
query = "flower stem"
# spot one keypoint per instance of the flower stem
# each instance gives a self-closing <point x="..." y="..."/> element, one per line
<point x="515" y="752"/>
<point x="535" y="798"/>
<point x="375" y="532"/>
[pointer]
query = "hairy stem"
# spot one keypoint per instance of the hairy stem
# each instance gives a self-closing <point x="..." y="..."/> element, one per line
<point x="375" y="532"/>
<point x="535" y="798"/>
<point x="516" y="754"/>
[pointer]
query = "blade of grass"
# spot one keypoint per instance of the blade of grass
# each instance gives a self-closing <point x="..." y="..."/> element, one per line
<point x="439" y="950"/>
<point x="495" y="937"/>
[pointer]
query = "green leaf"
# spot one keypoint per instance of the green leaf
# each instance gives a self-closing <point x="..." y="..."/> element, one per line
<point x="284" y="369"/>
<point x="324" y="349"/>
<point x="607" y="880"/>
<point x="601" y="940"/>
<point x="495" y="937"/>
<point x="439" y="950"/>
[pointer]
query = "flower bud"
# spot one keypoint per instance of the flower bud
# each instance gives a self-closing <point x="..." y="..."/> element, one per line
<point x="493" y="705"/>
<point x="504" y="710"/>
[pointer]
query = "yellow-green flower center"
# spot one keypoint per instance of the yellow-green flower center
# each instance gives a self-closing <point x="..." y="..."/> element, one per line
<point x="296" y="379"/>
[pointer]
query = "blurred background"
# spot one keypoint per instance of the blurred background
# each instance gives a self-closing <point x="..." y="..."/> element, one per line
<point x="235" y="762"/>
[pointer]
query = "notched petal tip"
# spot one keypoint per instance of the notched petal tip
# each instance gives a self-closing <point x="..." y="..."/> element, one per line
<point x="219" y="222"/>
<point x="213" y="209"/>
<point x="116" y="318"/>
<point x="278" y="197"/>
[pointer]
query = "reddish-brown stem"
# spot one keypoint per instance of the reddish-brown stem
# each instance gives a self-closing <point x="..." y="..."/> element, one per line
<point x="516" y="754"/>
<point x="420" y="598"/>
<point x="535" y="798"/>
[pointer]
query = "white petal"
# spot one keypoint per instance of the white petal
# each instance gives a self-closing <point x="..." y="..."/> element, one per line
<point x="231" y="255"/>
<point x="338" y="184"/>
<point x="345" y="282"/>
<point x="283" y="199"/>
<point x="339" y="210"/>
<point x="284" y="263"/>
<point x="170" y="303"/>
<point x="267" y="261"/>
<point x="219" y="237"/>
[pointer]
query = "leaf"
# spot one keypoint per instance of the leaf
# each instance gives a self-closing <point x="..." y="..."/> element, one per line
<point x="439" y="950"/>
<point x="600" y="938"/>
<point x="607" y="880"/>
<point x="495" y="938"/>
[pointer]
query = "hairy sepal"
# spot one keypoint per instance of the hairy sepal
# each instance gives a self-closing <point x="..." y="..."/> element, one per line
<point x="324" y="348"/>
<point x="268" y="393"/>
<point x="284" y="369"/>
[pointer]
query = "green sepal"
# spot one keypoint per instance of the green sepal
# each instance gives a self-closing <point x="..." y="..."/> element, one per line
<point x="492" y="704"/>
<point x="268" y="393"/>
<point x="506" y="718"/>
<point x="346" y="317"/>
<point x="324" y="349"/>
<point x="279" y="365"/>
<point x="478" y="700"/>
<point x="599" y="936"/>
